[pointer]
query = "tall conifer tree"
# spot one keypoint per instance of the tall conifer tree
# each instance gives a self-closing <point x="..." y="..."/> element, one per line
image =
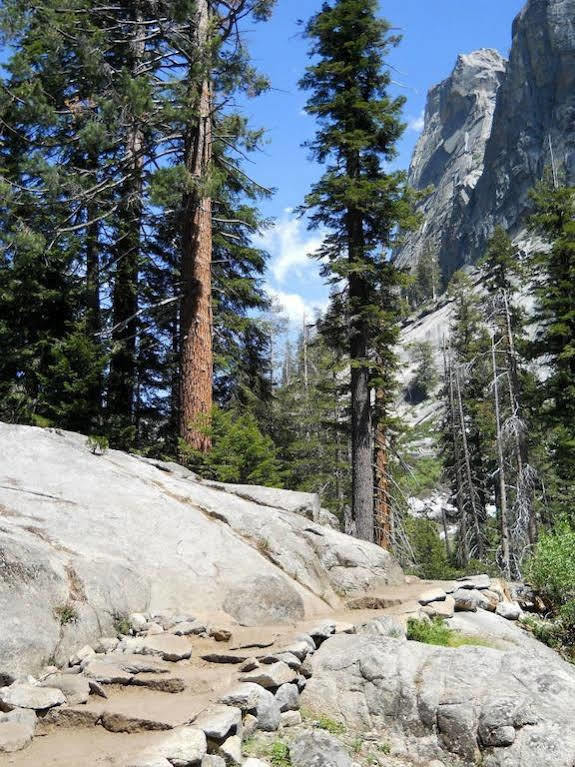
<point x="356" y="200"/>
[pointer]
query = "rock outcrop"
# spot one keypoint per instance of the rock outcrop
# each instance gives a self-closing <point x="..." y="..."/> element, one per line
<point x="449" y="155"/>
<point x="489" y="132"/>
<point x="86" y="540"/>
<point x="482" y="705"/>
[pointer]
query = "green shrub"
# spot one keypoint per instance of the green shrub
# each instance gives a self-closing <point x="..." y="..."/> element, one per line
<point x="278" y="754"/>
<point x="330" y="725"/>
<point x="97" y="444"/>
<point x="435" y="632"/>
<point x="546" y="631"/>
<point x="428" y="549"/>
<point x="66" y="614"/>
<point x="551" y="570"/>
<point x="122" y="623"/>
<point x="240" y="452"/>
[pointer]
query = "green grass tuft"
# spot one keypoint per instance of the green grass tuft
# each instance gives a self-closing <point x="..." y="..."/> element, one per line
<point x="66" y="614"/>
<point x="435" y="632"/>
<point x="330" y="725"/>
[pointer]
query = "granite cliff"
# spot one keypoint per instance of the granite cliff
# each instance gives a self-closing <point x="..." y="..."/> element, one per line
<point x="490" y="130"/>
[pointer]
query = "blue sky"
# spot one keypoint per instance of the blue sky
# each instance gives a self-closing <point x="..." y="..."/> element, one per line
<point x="434" y="33"/>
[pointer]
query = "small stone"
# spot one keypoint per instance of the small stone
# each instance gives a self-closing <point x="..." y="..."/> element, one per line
<point x="220" y="634"/>
<point x="253" y="762"/>
<point x="301" y="682"/>
<point x="270" y="676"/>
<point x="224" y="657"/>
<point x="231" y="750"/>
<point x="320" y="633"/>
<point x="307" y="639"/>
<point x="474" y="582"/>
<point x="302" y="646"/>
<point x="509" y="610"/>
<point x="152" y="629"/>
<point x="75" y="688"/>
<point x="443" y="609"/>
<point x="219" y="721"/>
<point x="345" y="628"/>
<point x="244" y="696"/>
<point x="268" y="712"/>
<point x="115" y="721"/>
<point x="22" y="695"/>
<point x="489" y="600"/>
<point x="165" y="646"/>
<point x="47" y="671"/>
<point x="287" y="697"/>
<point x="182" y="746"/>
<point x="187" y="628"/>
<point x="306" y="668"/>
<point x="466" y="600"/>
<point x="106" y="644"/>
<point x="432" y="595"/>
<point x="250" y="725"/>
<point x="249" y="665"/>
<point x="82" y="654"/>
<point x="96" y="689"/>
<point x="137" y="621"/>
<point x="286" y="657"/>
<point x="290" y="719"/>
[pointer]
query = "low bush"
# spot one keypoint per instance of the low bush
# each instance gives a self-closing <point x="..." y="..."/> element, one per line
<point x="66" y="614"/>
<point x="558" y="633"/>
<point x="551" y="569"/>
<point x="435" y="632"/>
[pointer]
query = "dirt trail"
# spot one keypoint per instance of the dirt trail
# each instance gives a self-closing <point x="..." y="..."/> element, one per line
<point x="205" y="682"/>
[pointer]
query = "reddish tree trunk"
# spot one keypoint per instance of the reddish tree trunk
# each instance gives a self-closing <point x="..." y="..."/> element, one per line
<point x="383" y="512"/>
<point x="196" y="360"/>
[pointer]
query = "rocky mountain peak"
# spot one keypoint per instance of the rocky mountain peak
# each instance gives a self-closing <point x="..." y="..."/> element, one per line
<point x="450" y="151"/>
<point x="490" y="128"/>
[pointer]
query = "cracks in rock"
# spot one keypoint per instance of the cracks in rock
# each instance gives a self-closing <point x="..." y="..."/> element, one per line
<point x="38" y="494"/>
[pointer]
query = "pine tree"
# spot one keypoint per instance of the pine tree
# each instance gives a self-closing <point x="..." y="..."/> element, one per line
<point x="99" y="111"/>
<point x="310" y="416"/>
<point x="468" y="431"/>
<point x="357" y="201"/>
<point x="554" y="277"/>
<point x="501" y="270"/>
<point x="427" y="278"/>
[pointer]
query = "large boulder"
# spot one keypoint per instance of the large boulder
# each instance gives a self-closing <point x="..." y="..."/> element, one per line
<point x="258" y="599"/>
<point x="88" y="540"/>
<point x="482" y="705"/>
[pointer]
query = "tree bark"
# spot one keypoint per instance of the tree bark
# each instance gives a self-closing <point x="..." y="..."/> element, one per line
<point x="520" y="441"/>
<point x="383" y="510"/>
<point x="123" y="368"/>
<point x="93" y="305"/>
<point x="467" y="460"/>
<point x="196" y="352"/>
<point x="503" y="517"/>
<point x="448" y="368"/>
<point x="361" y="420"/>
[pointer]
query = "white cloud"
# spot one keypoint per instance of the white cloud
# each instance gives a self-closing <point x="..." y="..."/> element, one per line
<point x="417" y="123"/>
<point x="289" y="246"/>
<point x="295" y="306"/>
